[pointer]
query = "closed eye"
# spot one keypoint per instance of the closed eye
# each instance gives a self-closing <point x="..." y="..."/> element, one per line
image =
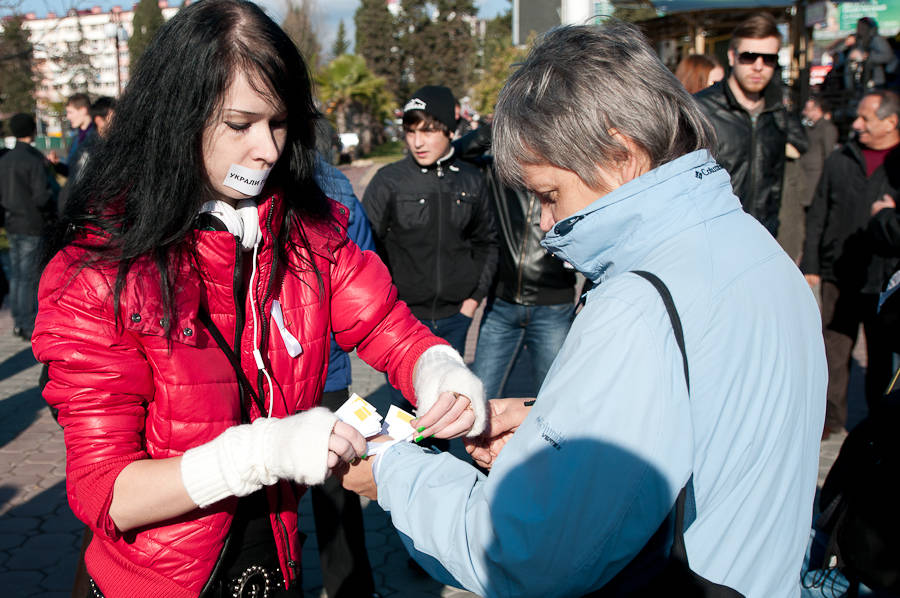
<point x="238" y="126"/>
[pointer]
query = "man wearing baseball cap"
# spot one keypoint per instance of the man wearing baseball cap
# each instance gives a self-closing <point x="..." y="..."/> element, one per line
<point x="432" y="222"/>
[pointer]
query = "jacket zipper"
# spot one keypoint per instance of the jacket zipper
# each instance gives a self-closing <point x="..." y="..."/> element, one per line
<point x="521" y="259"/>
<point x="291" y="563"/>
<point x="753" y="121"/>
<point x="281" y="535"/>
<point x="437" y="258"/>
<point x="262" y="307"/>
<point x="239" y="324"/>
<point x="236" y="284"/>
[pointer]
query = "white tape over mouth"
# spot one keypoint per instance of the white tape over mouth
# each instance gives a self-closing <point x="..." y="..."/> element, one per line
<point x="246" y="180"/>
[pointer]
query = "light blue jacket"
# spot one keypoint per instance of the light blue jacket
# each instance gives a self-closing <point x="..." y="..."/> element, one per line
<point x="597" y="464"/>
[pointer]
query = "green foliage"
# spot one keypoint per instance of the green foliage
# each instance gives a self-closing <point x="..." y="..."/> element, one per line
<point x="431" y="42"/>
<point x="148" y="19"/>
<point x="437" y="44"/>
<point x="387" y="152"/>
<point x="299" y="24"/>
<point x="495" y="75"/>
<point x="341" y="44"/>
<point x="347" y="80"/>
<point x="497" y="37"/>
<point x="634" y="11"/>
<point x="16" y="68"/>
<point x="376" y="41"/>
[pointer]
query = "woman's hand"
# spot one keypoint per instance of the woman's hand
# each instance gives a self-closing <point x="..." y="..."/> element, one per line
<point x="505" y="416"/>
<point x="345" y="445"/>
<point x="450" y="398"/>
<point x="451" y="416"/>
<point x="359" y="477"/>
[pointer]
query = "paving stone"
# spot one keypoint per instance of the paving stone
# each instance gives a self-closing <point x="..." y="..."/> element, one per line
<point x="19" y="525"/>
<point x="38" y="552"/>
<point x="25" y="581"/>
<point x="26" y="469"/>
<point x="9" y="540"/>
<point x="45" y="458"/>
<point x="61" y="576"/>
<point x="62" y="521"/>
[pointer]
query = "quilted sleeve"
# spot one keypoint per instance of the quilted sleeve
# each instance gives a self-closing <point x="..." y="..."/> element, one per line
<point x="100" y="382"/>
<point x="366" y="314"/>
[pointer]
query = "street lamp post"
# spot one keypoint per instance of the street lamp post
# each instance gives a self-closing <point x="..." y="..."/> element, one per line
<point x="115" y="31"/>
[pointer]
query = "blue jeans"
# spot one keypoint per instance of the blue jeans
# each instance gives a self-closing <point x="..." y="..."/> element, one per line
<point x="25" y="253"/>
<point x="505" y="328"/>
<point x="452" y="329"/>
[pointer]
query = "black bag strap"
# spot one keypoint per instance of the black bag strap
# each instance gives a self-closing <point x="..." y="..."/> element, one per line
<point x="678" y="576"/>
<point x="678" y="548"/>
<point x="663" y="291"/>
<point x="235" y="361"/>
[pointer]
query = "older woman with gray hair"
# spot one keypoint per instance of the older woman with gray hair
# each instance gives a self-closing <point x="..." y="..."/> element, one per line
<point x="705" y="393"/>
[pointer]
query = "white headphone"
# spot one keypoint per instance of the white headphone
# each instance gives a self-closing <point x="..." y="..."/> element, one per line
<point x="242" y="222"/>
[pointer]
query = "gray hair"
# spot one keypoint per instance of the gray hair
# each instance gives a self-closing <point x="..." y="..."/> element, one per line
<point x="581" y="84"/>
<point x="890" y="104"/>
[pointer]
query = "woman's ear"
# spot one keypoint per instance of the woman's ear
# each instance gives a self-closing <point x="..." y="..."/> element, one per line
<point x="636" y="162"/>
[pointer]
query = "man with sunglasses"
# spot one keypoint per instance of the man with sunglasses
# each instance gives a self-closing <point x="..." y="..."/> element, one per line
<point x="752" y="125"/>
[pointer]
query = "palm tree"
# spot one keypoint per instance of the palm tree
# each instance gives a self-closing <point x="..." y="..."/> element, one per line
<point x="354" y="98"/>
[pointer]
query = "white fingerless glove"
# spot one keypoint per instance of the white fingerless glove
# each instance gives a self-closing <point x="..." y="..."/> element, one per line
<point x="244" y="458"/>
<point x="441" y="369"/>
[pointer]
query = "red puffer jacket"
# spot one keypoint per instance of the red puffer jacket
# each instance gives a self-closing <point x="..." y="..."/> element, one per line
<point x="124" y="393"/>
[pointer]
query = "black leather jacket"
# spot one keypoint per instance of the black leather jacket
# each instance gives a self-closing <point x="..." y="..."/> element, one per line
<point x="752" y="150"/>
<point x="434" y="229"/>
<point x="527" y="273"/>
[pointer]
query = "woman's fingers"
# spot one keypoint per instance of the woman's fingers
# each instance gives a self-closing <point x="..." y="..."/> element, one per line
<point x="346" y="443"/>
<point x="455" y="420"/>
<point x="445" y="401"/>
<point x="459" y="426"/>
<point x="352" y="435"/>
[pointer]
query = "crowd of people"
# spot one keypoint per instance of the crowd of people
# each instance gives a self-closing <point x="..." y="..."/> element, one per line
<point x="669" y="439"/>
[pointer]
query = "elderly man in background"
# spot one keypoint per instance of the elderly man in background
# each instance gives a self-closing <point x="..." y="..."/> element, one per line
<point x="838" y="254"/>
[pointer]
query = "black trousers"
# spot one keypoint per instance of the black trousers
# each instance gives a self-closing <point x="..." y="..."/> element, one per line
<point x="340" y="533"/>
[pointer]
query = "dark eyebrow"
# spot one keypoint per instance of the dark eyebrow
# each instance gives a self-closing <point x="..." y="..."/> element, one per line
<point x="247" y="112"/>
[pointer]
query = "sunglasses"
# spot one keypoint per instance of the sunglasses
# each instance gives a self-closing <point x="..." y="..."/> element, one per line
<point x="751" y="57"/>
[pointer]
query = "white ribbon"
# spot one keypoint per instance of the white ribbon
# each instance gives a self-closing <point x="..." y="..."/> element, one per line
<point x="290" y="341"/>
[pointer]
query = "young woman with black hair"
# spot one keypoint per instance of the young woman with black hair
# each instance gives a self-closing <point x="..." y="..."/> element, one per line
<point x="185" y="320"/>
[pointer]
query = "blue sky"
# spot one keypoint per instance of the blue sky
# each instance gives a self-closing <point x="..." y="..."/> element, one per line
<point x="328" y="18"/>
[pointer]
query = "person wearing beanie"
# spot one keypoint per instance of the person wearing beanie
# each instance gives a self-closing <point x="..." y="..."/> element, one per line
<point x="432" y="221"/>
<point x="27" y="197"/>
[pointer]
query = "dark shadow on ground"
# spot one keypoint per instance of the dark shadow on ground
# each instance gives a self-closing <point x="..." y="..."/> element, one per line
<point x="40" y="542"/>
<point x="22" y="360"/>
<point x="19" y="411"/>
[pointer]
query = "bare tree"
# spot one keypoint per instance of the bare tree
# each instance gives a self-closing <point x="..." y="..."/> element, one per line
<point x="301" y="20"/>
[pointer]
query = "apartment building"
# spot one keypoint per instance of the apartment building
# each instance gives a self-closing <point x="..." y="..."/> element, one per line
<point x="81" y="51"/>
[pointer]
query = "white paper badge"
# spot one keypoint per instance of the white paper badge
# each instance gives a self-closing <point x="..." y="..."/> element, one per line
<point x="246" y="180"/>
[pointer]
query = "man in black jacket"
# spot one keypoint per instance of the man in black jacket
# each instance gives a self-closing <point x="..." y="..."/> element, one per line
<point x="839" y="255"/>
<point x="26" y="194"/>
<point x="752" y="125"/>
<point x="432" y="222"/>
<point x="531" y="304"/>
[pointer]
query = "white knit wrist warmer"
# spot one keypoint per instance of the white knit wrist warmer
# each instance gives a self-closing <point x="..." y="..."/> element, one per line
<point x="244" y="458"/>
<point x="441" y="369"/>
